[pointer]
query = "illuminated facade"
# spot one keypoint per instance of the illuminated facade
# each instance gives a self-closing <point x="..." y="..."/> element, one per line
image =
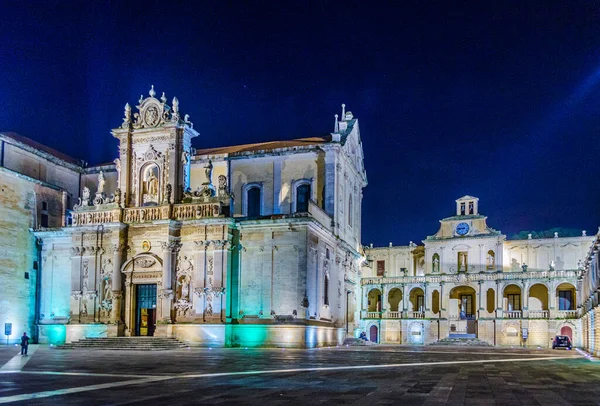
<point x="250" y="245"/>
<point x="468" y="281"/>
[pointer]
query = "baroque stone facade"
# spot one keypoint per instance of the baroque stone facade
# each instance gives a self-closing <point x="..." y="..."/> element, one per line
<point x="252" y="245"/>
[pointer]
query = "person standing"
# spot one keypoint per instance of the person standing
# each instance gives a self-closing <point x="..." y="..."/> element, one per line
<point x="24" y="344"/>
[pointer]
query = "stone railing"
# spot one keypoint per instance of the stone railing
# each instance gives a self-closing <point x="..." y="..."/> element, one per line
<point x="539" y="314"/>
<point x="415" y="315"/>
<point x="467" y="278"/>
<point x="392" y="315"/>
<point x="115" y="214"/>
<point x="513" y="314"/>
<point x="193" y="211"/>
<point x="370" y="315"/>
<point x="566" y="314"/>
<point x="87" y="218"/>
<point x="146" y="214"/>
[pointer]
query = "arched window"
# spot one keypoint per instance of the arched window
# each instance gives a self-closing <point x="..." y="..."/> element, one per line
<point x="350" y="210"/>
<point x="326" y="290"/>
<point x="302" y="198"/>
<point x="253" y="198"/>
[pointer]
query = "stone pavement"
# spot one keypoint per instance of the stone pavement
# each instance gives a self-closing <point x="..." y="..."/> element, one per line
<point x="365" y="375"/>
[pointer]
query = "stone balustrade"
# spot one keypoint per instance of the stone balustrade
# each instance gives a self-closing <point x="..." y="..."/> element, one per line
<point x="467" y="278"/>
<point x="392" y="315"/>
<point x="539" y="314"/>
<point x="146" y="214"/>
<point x="566" y="314"/>
<point x="513" y="314"/>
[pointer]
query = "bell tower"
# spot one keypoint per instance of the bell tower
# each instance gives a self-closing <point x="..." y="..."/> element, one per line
<point x="154" y="153"/>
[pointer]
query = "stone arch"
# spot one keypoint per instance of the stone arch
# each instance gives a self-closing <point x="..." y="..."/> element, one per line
<point x="131" y="260"/>
<point x="573" y="328"/>
<point x="369" y="328"/>
<point x="416" y="299"/>
<point x="374" y="300"/>
<point x="566" y="303"/>
<point x="538" y="296"/>
<point x="512" y="294"/>
<point x="463" y="301"/>
<point x="395" y="299"/>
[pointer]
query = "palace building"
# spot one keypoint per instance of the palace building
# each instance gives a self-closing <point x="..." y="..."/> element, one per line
<point x="250" y="245"/>
<point x="468" y="281"/>
<point x="259" y="245"/>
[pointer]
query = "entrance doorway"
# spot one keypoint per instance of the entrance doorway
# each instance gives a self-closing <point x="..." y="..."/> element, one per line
<point x="373" y="334"/>
<point x="567" y="331"/>
<point x="145" y="310"/>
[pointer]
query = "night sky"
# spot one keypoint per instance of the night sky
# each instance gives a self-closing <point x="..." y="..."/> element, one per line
<point x="499" y="100"/>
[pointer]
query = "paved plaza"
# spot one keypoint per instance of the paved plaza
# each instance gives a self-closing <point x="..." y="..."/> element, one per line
<point x="355" y="375"/>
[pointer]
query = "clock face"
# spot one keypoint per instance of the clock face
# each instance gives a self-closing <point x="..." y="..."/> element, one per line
<point x="462" y="228"/>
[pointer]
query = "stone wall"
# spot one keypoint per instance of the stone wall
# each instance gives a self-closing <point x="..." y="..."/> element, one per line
<point x="20" y="209"/>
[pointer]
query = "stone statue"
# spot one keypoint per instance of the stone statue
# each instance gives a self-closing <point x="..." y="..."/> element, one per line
<point x="152" y="183"/>
<point x="107" y="288"/>
<point x="85" y="201"/>
<point x="208" y="173"/>
<point x="222" y="185"/>
<point x="436" y="264"/>
<point x="101" y="182"/>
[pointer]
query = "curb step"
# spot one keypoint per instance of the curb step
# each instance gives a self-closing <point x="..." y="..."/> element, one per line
<point x="462" y="342"/>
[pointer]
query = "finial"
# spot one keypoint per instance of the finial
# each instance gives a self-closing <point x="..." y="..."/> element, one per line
<point x="583" y="233"/>
<point x="163" y="98"/>
<point x="141" y="99"/>
<point x="175" y="105"/>
<point x="127" y="111"/>
<point x="152" y="93"/>
<point x="336" y="125"/>
<point x="343" y="111"/>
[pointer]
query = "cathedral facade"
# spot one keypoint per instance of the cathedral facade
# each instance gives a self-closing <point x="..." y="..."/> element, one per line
<point x="250" y="245"/>
<point x="468" y="281"/>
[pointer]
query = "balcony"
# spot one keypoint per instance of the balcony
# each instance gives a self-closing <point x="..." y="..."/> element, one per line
<point x="392" y="315"/>
<point x="415" y="315"/>
<point x="370" y="315"/>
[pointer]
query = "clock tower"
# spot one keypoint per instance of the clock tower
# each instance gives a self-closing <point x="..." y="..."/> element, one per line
<point x="464" y="242"/>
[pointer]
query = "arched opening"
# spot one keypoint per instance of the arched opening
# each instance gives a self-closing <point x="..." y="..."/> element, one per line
<point x="565" y="293"/>
<point x="435" y="302"/>
<point x="567" y="331"/>
<point x="417" y="300"/>
<point x="302" y="198"/>
<point x="374" y="334"/>
<point x="538" y="300"/>
<point x="394" y="299"/>
<point x="490" y="301"/>
<point x="253" y="199"/>
<point x="374" y="300"/>
<point x="462" y="302"/>
<point x="512" y="300"/>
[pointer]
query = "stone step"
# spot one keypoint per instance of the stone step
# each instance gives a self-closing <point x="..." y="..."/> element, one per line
<point x="462" y="341"/>
<point x="125" y="343"/>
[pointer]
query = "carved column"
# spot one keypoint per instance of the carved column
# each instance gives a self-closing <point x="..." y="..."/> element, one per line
<point x="166" y="292"/>
<point x="117" y="293"/>
<point x="499" y="299"/>
<point x="220" y="275"/>
<point x="480" y="283"/>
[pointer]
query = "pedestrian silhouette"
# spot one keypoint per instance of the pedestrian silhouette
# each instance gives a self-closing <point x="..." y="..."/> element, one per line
<point x="24" y="344"/>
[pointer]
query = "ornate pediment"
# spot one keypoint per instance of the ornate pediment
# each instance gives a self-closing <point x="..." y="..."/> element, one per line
<point x="153" y="112"/>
